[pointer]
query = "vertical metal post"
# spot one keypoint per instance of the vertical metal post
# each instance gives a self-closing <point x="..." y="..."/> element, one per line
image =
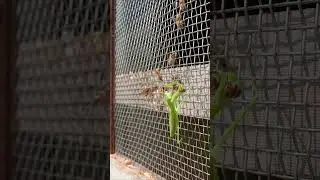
<point x="8" y="79"/>
<point x="212" y="168"/>
<point x="111" y="92"/>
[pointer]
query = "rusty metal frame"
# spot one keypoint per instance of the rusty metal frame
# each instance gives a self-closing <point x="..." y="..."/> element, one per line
<point x="111" y="92"/>
<point x="8" y="80"/>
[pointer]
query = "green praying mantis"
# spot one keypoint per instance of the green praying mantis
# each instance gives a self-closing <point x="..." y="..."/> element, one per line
<point x="227" y="82"/>
<point x="171" y="92"/>
<point x="226" y="88"/>
<point x="171" y="99"/>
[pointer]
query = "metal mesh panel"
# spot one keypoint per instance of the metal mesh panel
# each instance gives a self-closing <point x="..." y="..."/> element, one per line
<point x="62" y="61"/>
<point x="148" y="35"/>
<point x="274" y="45"/>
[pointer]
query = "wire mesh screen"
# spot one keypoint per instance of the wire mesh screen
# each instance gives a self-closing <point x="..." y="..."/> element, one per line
<point x="274" y="46"/>
<point x="166" y="40"/>
<point x="62" y="66"/>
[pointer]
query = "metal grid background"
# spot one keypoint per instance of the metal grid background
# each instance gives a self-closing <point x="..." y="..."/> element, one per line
<point x="146" y="32"/>
<point x="61" y="64"/>
<point x="275" y="47"/>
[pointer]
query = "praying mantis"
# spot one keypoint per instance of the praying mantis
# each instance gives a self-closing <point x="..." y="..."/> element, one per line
<point x="171" y="93"/>
<point x="171" y="101"/>
<point x="226" y="88"/>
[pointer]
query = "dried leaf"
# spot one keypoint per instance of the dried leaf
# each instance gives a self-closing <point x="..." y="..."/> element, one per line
<point x="179" y="21"/>
<point x="131" y="166"/>
<point x="128" y="162"/>
<point x="140" y="173"/>
<point x="148" y="175"/>
<point x="172" y="58"/>
<point x="181" y="5"/>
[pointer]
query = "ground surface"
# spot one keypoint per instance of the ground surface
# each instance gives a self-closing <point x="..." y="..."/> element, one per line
<point x="122" y="168"/>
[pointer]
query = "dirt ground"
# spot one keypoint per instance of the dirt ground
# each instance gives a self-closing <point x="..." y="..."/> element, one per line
<point x="122" y="168"/>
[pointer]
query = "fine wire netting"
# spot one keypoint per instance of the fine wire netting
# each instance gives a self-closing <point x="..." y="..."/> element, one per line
<point x="274" y="46"/>
<point x="62" y="65"/>
<point x="163" y="37"/>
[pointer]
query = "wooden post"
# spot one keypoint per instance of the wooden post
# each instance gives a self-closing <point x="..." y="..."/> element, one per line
<point x="8" y="80"/>
<point x="111" y="91"/>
